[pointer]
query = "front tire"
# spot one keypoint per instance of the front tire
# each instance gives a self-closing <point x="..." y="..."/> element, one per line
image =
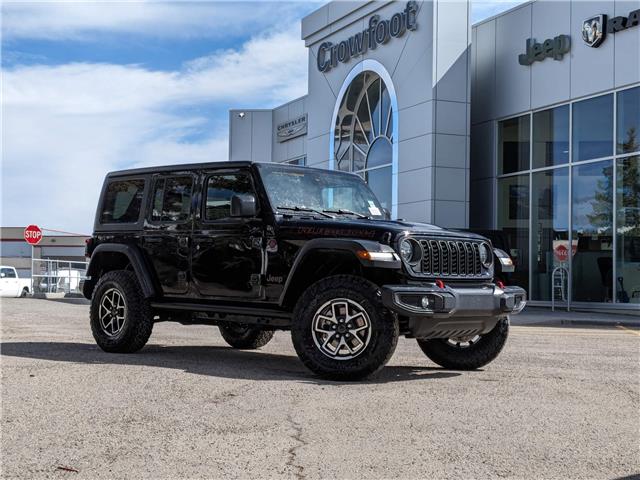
<point x="341" y="330"/>
<point x="468" y="353"/>
<point x="245" y="337"/>
<point x="121" y="318"/>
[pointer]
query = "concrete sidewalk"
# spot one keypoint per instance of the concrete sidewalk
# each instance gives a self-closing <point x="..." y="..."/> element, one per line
<point x="544" y="316"/>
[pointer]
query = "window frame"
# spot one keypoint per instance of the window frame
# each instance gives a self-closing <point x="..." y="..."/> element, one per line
<point x="614" y="157"/>
<point x="376" y="67"/>
<point x="202" y="211"/>
<point x="152" y="190"/>
<point x="498" y="166"/>
<point x="111" y="226"/>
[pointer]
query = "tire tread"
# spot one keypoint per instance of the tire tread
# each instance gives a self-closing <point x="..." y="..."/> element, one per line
<point x="470" y="358"/>
<point x="139" y="314"/>
<point x="343" y="286"/>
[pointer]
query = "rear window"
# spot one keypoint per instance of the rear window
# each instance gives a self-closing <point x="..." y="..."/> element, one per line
<point x="122" y="201"/>
<point x="8" y="272"/>
<point x="172" y="199"/>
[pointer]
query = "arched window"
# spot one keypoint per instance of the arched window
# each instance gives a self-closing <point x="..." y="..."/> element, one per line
<point x="363" y="136"/>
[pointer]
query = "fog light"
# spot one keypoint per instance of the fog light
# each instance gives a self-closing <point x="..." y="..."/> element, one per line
<point x="426" y="303"/>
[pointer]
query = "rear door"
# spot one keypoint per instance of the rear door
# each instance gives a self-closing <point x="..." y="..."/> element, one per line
<point x="166" y="238"/>
<point x="227" y="258"/>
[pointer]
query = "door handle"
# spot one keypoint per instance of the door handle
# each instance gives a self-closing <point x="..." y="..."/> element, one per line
<point x="152" y="240"/>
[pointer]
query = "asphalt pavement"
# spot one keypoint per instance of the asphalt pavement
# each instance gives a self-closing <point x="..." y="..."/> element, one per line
<point x="560" y="402"/>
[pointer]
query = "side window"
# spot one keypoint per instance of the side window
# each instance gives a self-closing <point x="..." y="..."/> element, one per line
<point x="8" y="273"/>
<point x="220" y="189"/>
<point x="172" y="199"/>
<point x="122" y="201"/>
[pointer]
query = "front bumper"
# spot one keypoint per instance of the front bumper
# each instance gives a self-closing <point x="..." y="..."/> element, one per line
<point x="447" y="312"/>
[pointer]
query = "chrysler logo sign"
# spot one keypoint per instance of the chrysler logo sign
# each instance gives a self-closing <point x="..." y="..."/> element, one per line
<point x="595" y="28"/>
<point x="292" y="129"/>
<point x="377" y="33"/>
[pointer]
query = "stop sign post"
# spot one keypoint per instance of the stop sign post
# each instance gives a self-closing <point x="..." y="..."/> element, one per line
<point x="32" y="235"/>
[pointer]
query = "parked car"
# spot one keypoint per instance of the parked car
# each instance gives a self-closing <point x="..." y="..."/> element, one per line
<point x="11" y="285"/>
<point x="254" y="248"/>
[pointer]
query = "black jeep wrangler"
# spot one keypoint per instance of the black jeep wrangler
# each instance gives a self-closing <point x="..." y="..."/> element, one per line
<point x="254" y="248"/>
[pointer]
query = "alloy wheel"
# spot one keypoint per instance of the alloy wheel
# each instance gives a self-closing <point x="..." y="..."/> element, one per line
<point x="341" y="329"/>
<point x="112" y="312"/>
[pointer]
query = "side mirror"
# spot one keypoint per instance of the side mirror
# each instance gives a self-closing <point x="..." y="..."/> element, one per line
<point x="2" y="275"/>
<point x="243" y="206"/>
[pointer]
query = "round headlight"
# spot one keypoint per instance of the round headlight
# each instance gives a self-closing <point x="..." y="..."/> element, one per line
<point x="486" y="257"/>
<point x="406" y="250"/>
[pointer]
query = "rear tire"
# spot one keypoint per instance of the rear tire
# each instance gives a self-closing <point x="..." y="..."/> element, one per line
<point x="341" y="330"/>
<point x="245" y="337"/>
<point x="456" y="355"/>
<point x="121" y="318"/>
<point x="24" y="293"/>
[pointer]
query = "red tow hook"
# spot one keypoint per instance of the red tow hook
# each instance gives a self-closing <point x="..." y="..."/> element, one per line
<point x="440" y="283"/>
<point x="500" y="284"/>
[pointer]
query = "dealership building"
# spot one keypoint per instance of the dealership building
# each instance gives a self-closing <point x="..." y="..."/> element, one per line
<point x="527" y="123"/>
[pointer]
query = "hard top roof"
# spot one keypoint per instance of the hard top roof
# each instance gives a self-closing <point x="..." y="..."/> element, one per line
<point x="203" y="166"/>
<point x="178" y="168"/>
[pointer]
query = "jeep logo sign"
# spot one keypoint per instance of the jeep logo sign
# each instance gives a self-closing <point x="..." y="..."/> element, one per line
<point x="379" y="32"/>
<point x="553" y="47"/>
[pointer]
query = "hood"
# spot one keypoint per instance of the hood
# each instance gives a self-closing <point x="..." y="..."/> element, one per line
<point x="346" y="226"/>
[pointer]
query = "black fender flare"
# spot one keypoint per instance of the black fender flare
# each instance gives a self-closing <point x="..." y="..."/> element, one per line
<point x="136" y="259"/>
<point x="351" y="245"/>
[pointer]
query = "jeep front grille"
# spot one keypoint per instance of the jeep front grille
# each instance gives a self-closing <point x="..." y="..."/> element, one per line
<point x="454" y="258"/>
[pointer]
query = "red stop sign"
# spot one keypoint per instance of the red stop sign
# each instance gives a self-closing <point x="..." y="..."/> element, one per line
<point x="32" y="234"/>
<point x="562" y="253"/>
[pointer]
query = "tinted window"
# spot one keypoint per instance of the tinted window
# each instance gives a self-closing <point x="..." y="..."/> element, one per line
<point x="172" y="199"/>
<point x="593" y="128"/>
<point x="122" y="202"/>
<point x="15" y="249"/>
<point x="513" y="144"/>
<point x="551" y="137"/>
<point x="629" y="120"/>
<point x="220" y="189"/>
<point x="8" y="273"/>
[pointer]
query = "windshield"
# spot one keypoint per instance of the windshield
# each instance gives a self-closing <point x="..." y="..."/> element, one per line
<point x="320" y="190"/>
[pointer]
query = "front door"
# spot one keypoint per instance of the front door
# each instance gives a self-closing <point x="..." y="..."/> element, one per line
<point x="167" y="233"/>
<point x="227" y="252"/>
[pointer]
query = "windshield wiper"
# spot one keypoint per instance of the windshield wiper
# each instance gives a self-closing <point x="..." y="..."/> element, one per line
<point x="344" y="211"/>
<point x="305" y="209"/>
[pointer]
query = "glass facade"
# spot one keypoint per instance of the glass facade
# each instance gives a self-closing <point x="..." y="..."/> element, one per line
<point x="569" y="199"/>
<point x="551" y="137"/>
<point x="363" y="134"/>
<point x="592" y="224"/>
<point x="628" y="119"/>
<point x="513" y="144"/>
<point x="513" y="220"/>
<point x="627" y="281"/>
<point x="593" y="128"/>
<point x="549" y="231"/>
